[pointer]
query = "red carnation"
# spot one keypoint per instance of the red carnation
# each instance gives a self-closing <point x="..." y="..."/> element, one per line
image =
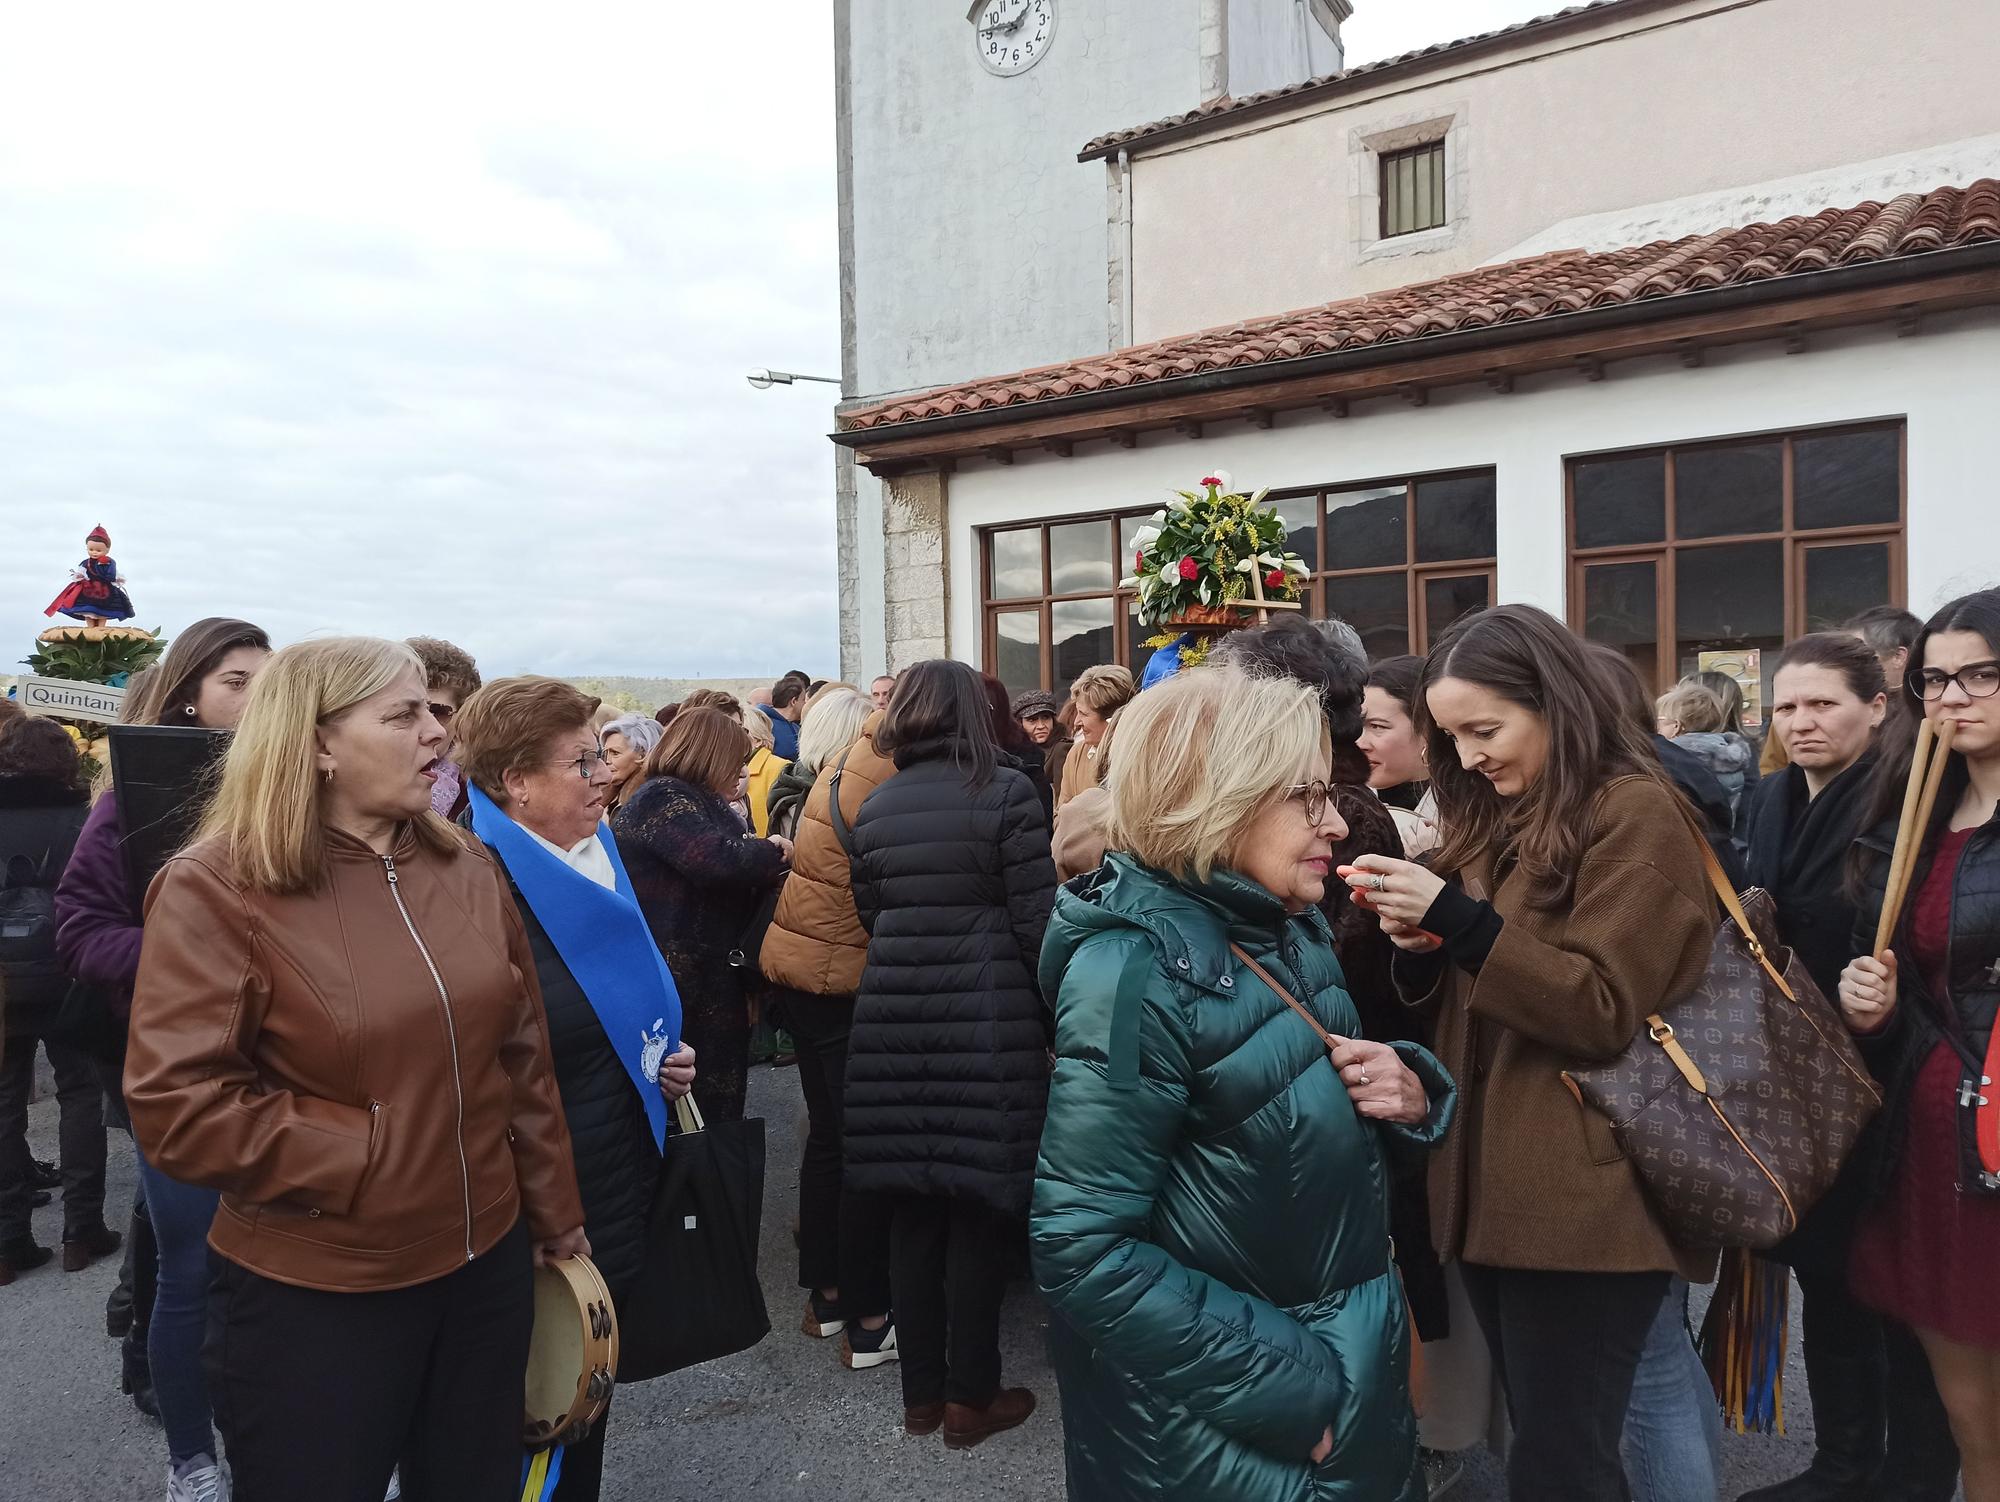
<point x="1190" y="569"/>
<point x="1138" y="560"/>
<point x="1275" y="579"/>
<point x="1213" y="482"/>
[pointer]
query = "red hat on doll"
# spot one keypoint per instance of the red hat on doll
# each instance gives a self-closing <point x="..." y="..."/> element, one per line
<point x="98" y="534"/>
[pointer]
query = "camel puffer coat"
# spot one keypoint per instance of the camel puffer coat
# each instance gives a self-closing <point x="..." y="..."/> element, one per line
<point x="816" y="943"/>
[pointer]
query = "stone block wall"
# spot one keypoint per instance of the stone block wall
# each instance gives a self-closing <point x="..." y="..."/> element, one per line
<point x="915" y="585"/>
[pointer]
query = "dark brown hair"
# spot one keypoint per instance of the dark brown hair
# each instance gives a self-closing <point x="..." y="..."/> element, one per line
<point x="1850" y="656"/>
<point x="507" y="725"/>
<point x="703" y="746"/>
<point x="1528" y="657"/>
<point x="41" y="749"/>
<point x="446" y="667"/>
<point x="1398" y="677"/>
<point x="942" y="700"/>
<point x="788" y="690"/>
<point x="190" y="657"/>
<point x="1896" y="741"/>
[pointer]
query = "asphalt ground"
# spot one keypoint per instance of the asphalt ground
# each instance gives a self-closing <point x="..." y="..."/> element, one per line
<point x="783" y="1420"/>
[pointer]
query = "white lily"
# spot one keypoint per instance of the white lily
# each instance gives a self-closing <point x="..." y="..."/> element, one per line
<point x="1206" y="597"/>
<point x="1146" y="536"/>
<point x="1160" y="515"/>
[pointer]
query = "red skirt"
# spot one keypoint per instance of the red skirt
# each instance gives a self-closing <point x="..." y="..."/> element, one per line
<point x="1927" y="1254"/>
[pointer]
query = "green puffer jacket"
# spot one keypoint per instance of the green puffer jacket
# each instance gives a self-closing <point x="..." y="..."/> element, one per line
<point x="1210" y="1216"/>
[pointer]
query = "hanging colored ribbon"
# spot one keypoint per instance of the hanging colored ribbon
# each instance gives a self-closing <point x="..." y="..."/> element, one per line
<point x="539" y="1474"/>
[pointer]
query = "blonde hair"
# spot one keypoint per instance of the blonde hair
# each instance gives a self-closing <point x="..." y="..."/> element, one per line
<point x="832" y="723"/>
<point x="1202" y="755"/>
<point x="1695" y="707"/>
<point x="267" y="809"/>
<point x="759" y="729"/>
<point x="1104" y="688"/>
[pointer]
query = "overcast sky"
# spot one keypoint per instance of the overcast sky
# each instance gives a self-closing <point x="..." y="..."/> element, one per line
<point x="434" y="318"/>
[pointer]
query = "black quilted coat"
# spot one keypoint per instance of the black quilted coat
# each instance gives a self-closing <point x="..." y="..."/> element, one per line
<point x="617" y="1165"/>
<point x="1964" y="1020"/>
<point x="947" y="1065"/>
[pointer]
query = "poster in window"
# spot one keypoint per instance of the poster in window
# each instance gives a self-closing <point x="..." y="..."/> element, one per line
<point x="1746" y="667"/>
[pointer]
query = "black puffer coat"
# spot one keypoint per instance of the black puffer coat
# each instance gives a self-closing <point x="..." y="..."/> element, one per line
<point x="617" y="1165"/>
<point x="947" y="1065"/>
<point x="1962" y="1021"/>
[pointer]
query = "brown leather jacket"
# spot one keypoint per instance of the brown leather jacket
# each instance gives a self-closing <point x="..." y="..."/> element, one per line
<point x="362" y="1070"/>
<point x="816" y="943"/>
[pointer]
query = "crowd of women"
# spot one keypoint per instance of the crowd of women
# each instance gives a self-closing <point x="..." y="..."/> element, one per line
<point x="1270" y="1086"/>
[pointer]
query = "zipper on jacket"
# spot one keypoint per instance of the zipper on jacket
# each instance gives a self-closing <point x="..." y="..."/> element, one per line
<point x="451" y="1032"/>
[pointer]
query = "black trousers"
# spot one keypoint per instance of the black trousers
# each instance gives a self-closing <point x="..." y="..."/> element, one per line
<point x="1565" y="1346"/>
<point x="79" y="1137"/>
<point x="948" y="1271"/>
<point x="583" y="1465"/>
<point x="843" y="1236"/>
<point x="320" y="1395"/>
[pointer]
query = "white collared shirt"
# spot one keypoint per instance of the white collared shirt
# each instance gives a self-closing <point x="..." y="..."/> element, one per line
<point x="587" y="857"/>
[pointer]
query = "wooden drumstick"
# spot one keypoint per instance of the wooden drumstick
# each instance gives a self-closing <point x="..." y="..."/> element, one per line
<point x="1885" y="922"/>
<point x="1918" y="804"/>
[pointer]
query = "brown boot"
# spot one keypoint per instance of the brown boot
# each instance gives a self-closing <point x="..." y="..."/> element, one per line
<point x="924" y="1419"/>
<point x="965" y="1426"/>
<point x="84" y="1248"/>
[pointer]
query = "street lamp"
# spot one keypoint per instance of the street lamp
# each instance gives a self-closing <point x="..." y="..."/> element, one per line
<point x="764" y="380"/>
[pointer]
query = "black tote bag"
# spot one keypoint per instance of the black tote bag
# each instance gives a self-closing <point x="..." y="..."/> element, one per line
<point x="698" y="1297"/>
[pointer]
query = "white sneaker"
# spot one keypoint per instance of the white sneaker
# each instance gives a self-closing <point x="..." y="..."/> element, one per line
<point x="197" y="1480"/>
<point x="862" y="1349"/>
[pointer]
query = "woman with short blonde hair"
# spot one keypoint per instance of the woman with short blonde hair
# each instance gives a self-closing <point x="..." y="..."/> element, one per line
<point x="1210" y="1221"/>
<point x="1098" y="694"/>
<point x="833" y="721"/>
<point x="337" y="1025"/>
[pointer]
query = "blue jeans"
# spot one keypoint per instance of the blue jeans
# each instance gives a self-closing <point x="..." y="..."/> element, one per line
<point x="1673" y="1430"/>
<point x="181" y="1218"/>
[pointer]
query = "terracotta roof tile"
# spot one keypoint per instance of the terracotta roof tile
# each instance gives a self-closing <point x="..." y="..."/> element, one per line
<point x="1229" y="105"/>
<point x="1516" y="292"/>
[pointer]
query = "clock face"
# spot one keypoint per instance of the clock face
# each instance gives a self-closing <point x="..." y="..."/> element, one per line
<point x="1010" y="36"/>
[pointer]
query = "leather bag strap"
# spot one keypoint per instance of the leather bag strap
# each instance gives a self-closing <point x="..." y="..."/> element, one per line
<point x="1285" y="996"/>
<point x="1416" y="1370"/>
<point x="1733" y="905"/>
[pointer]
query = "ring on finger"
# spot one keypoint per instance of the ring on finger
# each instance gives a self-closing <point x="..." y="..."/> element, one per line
<point x="1364" y="1076"/>
<point x="1381" y="882"/>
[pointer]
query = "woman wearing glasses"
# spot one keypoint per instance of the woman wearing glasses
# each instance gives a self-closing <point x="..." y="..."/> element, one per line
<point x="1924" y="1009"/>
<point x="1210" y="1219"/>
<point x="538" y="785"/>
<point x="699" y="878"/>
<point x="450" y="678"/>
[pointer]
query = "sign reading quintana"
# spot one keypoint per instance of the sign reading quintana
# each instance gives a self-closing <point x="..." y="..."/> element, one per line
<point x="70" y="699"/>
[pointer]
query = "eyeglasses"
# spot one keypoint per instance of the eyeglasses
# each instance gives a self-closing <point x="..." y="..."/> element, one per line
<point x="1980" y="680"/>
<point x="587" y="764"/>
<point x="1314" y="795"/>
<point x="442" y="713"/>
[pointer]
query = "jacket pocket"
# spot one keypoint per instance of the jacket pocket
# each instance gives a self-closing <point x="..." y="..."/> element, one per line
<point x="1599" y="1141"/>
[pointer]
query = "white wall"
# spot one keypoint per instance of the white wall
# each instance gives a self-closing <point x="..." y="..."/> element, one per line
<point x="1273" y="43"/>
<point x="1945" y="382"/>
<point x="1703" y="96"/>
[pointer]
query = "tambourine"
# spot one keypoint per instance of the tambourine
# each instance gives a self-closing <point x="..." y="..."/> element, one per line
<point x="573" y="1355"/>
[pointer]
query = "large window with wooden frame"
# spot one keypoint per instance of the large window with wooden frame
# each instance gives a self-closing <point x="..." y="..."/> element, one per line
<point x="1399" y="560"/>
<point x="1715" y="554"/>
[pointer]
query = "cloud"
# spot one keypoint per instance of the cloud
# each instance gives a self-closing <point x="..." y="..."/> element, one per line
<point x="435" y="320"/>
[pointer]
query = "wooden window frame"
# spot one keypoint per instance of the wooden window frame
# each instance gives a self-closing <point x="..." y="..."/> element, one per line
<point x="1423" y="152"/>
<point x="1416" y="574"/>
<point x="1665" y="555"/>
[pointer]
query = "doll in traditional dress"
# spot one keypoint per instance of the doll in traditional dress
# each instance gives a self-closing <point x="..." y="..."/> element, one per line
<point x="97" y="590"/>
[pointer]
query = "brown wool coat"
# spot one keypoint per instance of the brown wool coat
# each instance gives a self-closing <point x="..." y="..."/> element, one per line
<point x="1079" y="772"/>
<point x="1529" y="1177"/>
<point x="815" y="943"/>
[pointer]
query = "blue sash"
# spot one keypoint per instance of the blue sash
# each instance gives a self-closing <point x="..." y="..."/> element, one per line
<point x="603" y="938"/>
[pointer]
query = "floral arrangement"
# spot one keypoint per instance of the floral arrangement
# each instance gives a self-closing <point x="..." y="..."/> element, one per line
<point x="1208" y="556"/>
